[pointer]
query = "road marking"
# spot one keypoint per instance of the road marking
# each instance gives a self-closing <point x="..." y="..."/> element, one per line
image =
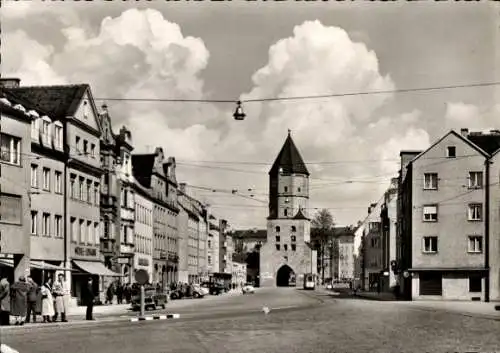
<point x="155" y="317"/>
<point x="6" y="349"/>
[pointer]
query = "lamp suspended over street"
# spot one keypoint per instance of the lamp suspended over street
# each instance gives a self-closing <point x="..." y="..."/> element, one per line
<point x="238" y="113"/>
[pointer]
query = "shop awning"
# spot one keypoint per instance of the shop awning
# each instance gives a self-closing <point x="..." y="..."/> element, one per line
<point x="38" y="264"/>
<point x="46" y="266"/>
<point x="95" y="268"/>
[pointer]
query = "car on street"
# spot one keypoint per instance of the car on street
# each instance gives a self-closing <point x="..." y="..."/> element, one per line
<point x="153" y="298"/>
<point x="248" y="289"/>
<point x="189" y="291"/>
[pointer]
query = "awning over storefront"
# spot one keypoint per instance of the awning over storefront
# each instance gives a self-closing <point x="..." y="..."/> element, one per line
<point x="95" y="268"/>
<point x="46" y="266"/>
<point x="38" y="264"/>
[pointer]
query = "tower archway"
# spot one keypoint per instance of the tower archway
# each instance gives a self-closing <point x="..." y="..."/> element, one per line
<point x="284" y="276"/>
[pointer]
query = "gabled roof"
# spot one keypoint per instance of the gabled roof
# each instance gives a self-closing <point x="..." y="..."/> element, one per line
<point x="58" y="101"/>
<point x="142" y="168"/>
<point x="452" y="132"/>
<point x="289" y="159"/>
<point x="488" y="142"/>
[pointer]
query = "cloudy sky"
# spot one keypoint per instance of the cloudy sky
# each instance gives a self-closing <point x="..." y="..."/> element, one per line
<point x="249" y="50"/>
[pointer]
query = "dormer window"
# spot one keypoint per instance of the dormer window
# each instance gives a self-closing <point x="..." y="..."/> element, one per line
<point x="451" y="152"/>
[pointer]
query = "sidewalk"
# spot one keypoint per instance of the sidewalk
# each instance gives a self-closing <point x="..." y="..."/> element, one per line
<point x="467" y="308"/>
<point x="382" y="296"/>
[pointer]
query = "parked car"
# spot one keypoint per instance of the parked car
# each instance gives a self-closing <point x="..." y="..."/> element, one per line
<point x="203" y="290"/>
<point x="214" y="288"/>
<point x="153" y="298"/>
<point x="248" y="289"/>
<point x="189" y="291"/>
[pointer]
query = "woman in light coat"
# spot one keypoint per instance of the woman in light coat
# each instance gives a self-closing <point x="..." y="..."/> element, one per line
<point x="47" y="301"/>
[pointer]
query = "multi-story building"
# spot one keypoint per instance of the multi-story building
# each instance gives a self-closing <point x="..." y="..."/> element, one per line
<point x="202" y="244"/>
<point x="172" y="212"/>
<point x="287" y="254"/>
<point x="149" y="171"/>
<point x="239" y="273"/>
<point x="448" y="203"/>
<point x="344" y="237"/>
<point x="224" y="251"/>
<point x="117" y="198"/>
<point x="213" y="244"/>
<point x="143" y="228"/>
<point x="15" y="160"/>
<point x="183" y="241"/>
<point x="388" y="220"/>
<point x="74" y="106"/>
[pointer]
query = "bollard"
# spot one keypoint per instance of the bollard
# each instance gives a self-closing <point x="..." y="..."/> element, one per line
<point x="141" y="314"/>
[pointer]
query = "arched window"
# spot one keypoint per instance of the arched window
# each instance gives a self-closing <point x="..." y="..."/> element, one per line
<point x="277" y="229"/>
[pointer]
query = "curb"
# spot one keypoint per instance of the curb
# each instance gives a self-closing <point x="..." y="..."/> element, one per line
<point x="455" y="312"/>
<point x="155" y="317"/>
<point x="380" y="299"/>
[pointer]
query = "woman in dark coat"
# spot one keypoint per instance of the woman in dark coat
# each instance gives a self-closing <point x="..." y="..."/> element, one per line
<point x="19" y="300"/>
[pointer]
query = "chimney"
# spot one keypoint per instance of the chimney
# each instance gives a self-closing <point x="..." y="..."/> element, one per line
<point x="10" y="82"/>
<point x="464" y="132"/>
<point x="182" y="187"/>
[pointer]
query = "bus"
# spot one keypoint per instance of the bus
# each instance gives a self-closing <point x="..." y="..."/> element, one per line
<point x="309" y="281"/>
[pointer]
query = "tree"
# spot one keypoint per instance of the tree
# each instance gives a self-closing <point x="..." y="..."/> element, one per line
<point x="322" y="229"/>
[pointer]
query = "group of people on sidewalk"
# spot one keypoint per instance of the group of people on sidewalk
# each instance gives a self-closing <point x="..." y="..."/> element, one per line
<point x="25" y="299"/>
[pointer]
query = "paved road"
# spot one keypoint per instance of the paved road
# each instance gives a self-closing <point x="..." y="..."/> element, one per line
<point x="339" y="324"/>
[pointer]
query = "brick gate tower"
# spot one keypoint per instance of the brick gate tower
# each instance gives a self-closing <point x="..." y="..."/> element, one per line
<point x="286" y="255"/>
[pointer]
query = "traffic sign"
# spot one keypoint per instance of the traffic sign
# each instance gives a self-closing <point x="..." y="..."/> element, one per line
<point x="142" y="277"/>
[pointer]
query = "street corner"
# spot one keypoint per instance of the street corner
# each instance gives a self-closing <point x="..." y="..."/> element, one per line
<point x="155" y="317"/>
<point x="6" y="349"/>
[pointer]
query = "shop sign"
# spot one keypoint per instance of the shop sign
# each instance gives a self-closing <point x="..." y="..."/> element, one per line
<point x="143" y="262"/>
<point x="83" y="251"/>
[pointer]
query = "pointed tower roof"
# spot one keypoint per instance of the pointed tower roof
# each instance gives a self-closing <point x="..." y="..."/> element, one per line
<point x="289" y="159"/>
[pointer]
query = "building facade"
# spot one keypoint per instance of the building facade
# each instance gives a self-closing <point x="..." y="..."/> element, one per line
<point x="239" y="273"/>
<point x="344" y="236"/>
<point x="287" y="255"/>
<point x="15" y="161"/>
<point x="143" y="229"/>
<point x="156" y="173"/>
<point x="448" y="221"/>
<point x="74" y="106"/>
<point x="388" y="220"/>
<point x="212" y="244"/>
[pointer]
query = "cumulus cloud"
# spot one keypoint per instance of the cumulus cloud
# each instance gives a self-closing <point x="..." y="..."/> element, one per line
<point x="140" y="54"/>
<point x="463" y="115"/>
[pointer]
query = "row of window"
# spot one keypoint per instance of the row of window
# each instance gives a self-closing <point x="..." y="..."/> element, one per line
<point x="431" y="180"/>
<point x="127" y="198"/>
<point x="84" y="231"/>
<point x="474" y="244"/>
<point x="126" y="234"/>
<point x="159" y="241"/>
<point x="293" y="238"/>
<point x="474" y="212"/>
<point x="285" y="189"/>
<point x="143" y="244"/>
<point x="292" y="229"/>
<point x="51" y="132"/>
<point x="293" y="247"/>
<point x="84" y="147"/>
<point x="46" y="225"/>
<point x="82" y="190"/>
<point x="50" y="181"/>
<point x="192" y="260"/>
<point x="143" y="215"/>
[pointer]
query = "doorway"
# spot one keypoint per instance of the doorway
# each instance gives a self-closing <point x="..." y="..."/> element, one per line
<point x="284" y="276"/>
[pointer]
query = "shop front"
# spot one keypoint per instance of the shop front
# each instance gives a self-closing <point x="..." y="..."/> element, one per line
<point x="86" y="262"/>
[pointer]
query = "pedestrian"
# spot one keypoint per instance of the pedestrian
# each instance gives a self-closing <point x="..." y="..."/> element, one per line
<point x="19" y="300"/>
<point x="4" y="302"/>
<point x="88" y="297"/>
<point x="32" y="299"/>
<point x="47" y="301"/>
<point x="61" y="296"/>
<point x="119" y="293"/>
<point x="109" y="294"/>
